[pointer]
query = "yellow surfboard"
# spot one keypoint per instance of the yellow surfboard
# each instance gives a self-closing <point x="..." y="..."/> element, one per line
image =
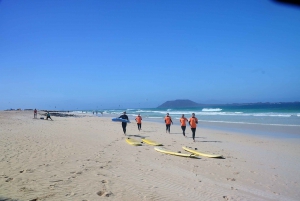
<point x="133" y="142"/>
<point x="165" y="151"/>
<point x="151" y="142"/>
<point x="189" y="149"/>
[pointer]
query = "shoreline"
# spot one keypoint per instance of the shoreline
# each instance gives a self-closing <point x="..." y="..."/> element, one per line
<point x="87" y="158"/>
<point x="276" y="131"/>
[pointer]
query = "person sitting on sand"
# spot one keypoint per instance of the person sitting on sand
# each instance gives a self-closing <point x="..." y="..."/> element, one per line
<point x="48" y="116"/>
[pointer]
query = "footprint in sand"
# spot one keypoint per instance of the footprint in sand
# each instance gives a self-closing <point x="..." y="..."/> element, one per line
<point x="8" y="180"/>
<point x="57" y="180"/>
<point x="104" y="194"/>
<point x="29" y="171"/>
<point x="25" y="189"/>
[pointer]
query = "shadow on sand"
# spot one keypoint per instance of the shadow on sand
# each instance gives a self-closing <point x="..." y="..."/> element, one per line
<point x="7" y="199"/>
<point x="134" y="136"/>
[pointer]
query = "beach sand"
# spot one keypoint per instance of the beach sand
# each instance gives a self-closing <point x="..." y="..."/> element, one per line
<point x="87" y="158"/>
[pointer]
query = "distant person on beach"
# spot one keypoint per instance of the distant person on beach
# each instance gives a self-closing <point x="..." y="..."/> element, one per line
<point x="193" y="123"/>
<point x="183" y="121"/>
<point x="138" y="120"/>
<point x="124" y="124"/>
<point x="48" y="116"/>
<point x="168" y="121"/>
<point x="35" y="114"/>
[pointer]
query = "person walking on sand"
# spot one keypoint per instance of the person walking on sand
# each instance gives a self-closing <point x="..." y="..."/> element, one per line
<point x="48" y="116"/>
<point x="183" y="121"/>
<point x="35" y="114"/>
<point x="193" y="123"/>
<point x="168" y="121"/>
<point x="138" y="120"/>
<point x="124" y="124"/>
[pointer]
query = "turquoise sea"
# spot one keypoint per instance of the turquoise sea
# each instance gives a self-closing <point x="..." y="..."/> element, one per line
<point x="276" y="118"/>
<point x="267" y="114"/>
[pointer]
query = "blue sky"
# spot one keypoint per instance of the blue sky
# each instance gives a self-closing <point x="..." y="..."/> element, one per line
<point x="131" y="54"/>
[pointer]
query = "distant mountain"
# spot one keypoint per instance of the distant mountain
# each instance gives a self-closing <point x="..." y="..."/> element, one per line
<point x="179" y="104"/>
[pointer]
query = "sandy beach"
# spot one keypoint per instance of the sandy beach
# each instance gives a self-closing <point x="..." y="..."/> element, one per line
<point x="87" y="158"/>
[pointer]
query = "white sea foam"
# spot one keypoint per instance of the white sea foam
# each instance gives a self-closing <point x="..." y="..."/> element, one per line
<point x="271" y="115"/>
<point x="149" y="111"/>
<point x="230" y="122"/>
<point x="180" y="112"/>
<point x="204" y="112"/>
<point x="242" y="114"/>
<point x="211" y="109"/>
<point x="280" y="115"/>
<point x="155" y="117"/>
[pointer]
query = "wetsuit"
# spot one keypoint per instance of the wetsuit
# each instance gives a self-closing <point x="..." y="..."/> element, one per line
<point x="124" y="124"/>
<point x="183" y="121"/>
<point x="193" y="123"/>
<point x="139" y="122"/>
<point x="48" y="116"/>
<point x="168" y="122"/>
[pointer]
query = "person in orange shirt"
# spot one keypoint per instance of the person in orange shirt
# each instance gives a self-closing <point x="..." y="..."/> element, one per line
<point x="183" y="121"/>
<point x="193" y="123"/>
<point x="138" y="120"/>
<point x="168" y="121"/>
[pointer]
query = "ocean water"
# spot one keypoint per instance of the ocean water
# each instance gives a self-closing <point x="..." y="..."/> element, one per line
<point x="275" y="120"/>
<point x="283" y="114"/>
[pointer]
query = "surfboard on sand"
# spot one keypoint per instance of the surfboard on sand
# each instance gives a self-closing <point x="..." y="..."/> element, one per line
<point x="120" y="120"/>
<point x="133" y="142"/>
<point x="189" y="149"/>
<point x="165" y="151"/>
<point x="151" y="142"/>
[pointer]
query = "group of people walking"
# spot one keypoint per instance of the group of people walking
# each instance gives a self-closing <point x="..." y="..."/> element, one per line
<point x="193" y="121"/>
